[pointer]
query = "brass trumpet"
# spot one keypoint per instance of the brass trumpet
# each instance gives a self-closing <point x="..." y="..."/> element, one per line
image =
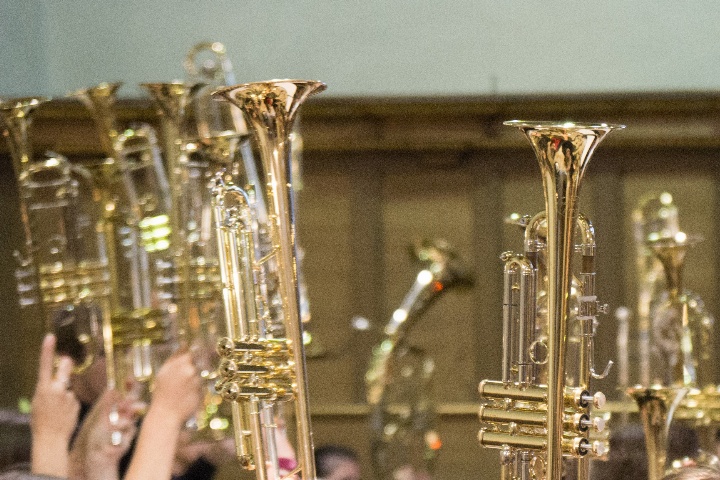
<point x="139" y="326"/>
<point x="62" y="265"/>
<point x="680" y="344"/>
<point x="191" y="272"/>
<point x="656" y="216"/>
<point x="536" y="424"/>
<point x="263" y="360"/>
<point x="220" y="123"/>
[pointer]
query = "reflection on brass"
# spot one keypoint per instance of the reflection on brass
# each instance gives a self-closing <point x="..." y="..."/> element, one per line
<point x="263" y="366"/>
<point x="132" y="194"/>
<point x="655" y="216"/>
<point x="547" y="341"/>
<point x="62" y="269"/>
<point x="679" y="369"/>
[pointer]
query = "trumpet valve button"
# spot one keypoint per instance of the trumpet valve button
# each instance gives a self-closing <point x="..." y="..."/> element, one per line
<point x="598" y="448"/>
<point x="598" y="424"/>
<point x="225" y="347"/>
<point x="599" y="400"/>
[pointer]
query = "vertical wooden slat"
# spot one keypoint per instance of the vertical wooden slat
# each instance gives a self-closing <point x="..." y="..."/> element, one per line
<point x="366" y="233"/>
<point x="487" y="231"/>
<point x="19" y="330"/>
<point x="607" y="206"/>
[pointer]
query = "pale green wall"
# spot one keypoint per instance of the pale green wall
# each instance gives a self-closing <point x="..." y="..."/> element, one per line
<point x="413" y="47"/>
<point x="23" y="36"/>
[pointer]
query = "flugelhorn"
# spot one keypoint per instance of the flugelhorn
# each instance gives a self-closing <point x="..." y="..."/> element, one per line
<point x="263" y="366"/>
<point x="398" y="378"/>
<point x="537" y="424"/>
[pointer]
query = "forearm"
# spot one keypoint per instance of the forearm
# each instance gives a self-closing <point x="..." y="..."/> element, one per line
<point x="156" y="445"/>
<point x="49" y="456"/>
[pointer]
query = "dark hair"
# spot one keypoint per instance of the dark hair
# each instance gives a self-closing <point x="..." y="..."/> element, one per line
<point x="694" y="473"/>
<point x="326" y="455"/>
<point x="628" y="458"/>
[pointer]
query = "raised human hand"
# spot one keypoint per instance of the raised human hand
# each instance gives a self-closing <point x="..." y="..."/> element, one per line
<point x="54" y="412"/>
<point x="177" y="390"/>
<point x="105" y="436"/>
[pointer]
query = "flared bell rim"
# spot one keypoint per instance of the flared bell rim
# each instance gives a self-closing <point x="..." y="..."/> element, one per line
<point x="169" y="83"/>
<point x="677" y="240"/>
<point x="101" y="89"/>
<point x="172" y="88"/>
<point x="639" y="392"/>
<point x="315" y="86"/>
<point x="24" y="103"/>
<point x="555" y="125"/>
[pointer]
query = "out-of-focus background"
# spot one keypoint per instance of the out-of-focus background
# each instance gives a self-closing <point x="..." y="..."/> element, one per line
<point x="405" y="145"/>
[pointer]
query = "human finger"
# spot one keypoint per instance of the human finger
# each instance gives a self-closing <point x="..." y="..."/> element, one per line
<point x="64" y="370"/>
<point x="47" y="352"/>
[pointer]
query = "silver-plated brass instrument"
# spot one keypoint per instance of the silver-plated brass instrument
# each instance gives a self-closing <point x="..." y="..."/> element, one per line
<point x="263" y="363"/>
<point x="539" y="413"/>
<point x="398" y="378"/>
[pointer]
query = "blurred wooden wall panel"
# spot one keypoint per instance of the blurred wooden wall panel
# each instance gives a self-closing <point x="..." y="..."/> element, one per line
<point x="382" y="173"/>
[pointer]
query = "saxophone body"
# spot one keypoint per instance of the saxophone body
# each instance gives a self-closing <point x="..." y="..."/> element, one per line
<point x="398" y="380"/>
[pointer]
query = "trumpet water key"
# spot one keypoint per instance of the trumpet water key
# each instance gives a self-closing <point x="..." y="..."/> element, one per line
<point x="539" y="412"/>
<point x="263" y="361"/>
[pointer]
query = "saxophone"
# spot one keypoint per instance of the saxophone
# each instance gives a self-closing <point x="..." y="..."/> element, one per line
<point x="399" y="375"/>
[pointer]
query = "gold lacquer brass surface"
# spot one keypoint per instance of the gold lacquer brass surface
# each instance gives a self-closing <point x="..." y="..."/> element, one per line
<point x="563" y="151"/>
<point x="258" y="265"/>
